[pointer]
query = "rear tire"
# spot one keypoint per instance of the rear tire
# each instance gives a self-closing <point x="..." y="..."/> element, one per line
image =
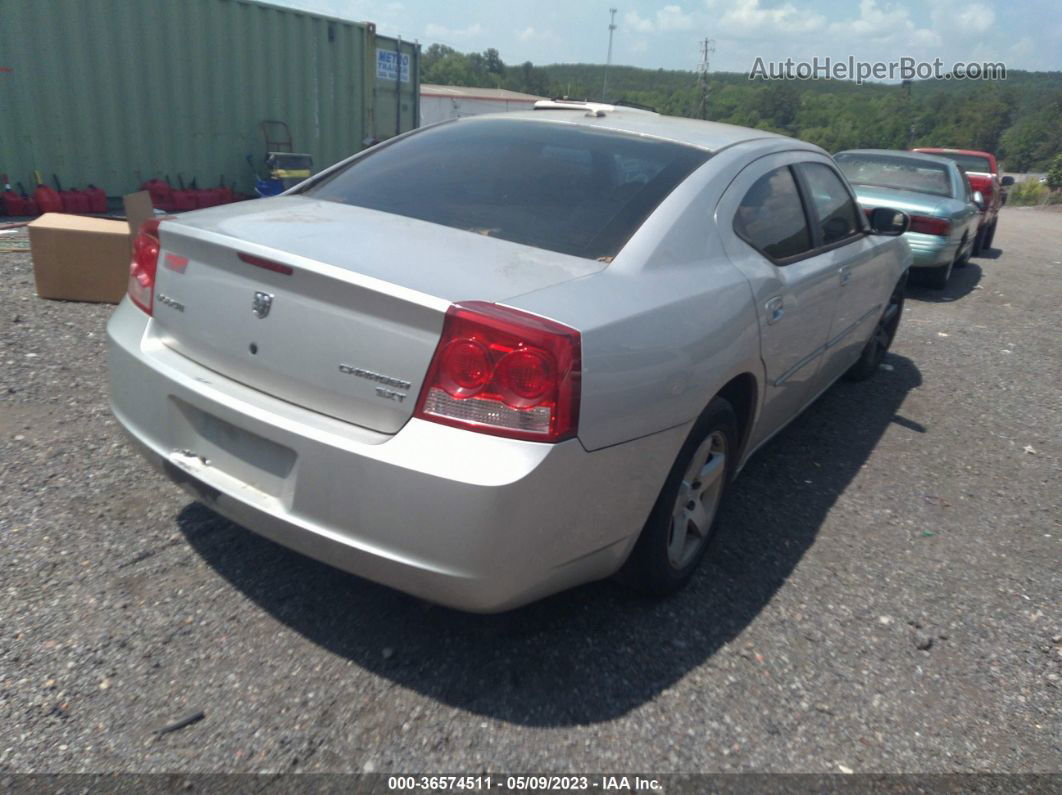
<point x="937" y="278"/>
<point x="881" y="339"/>
<point x="963" y="259"/>
<point x="685" y="517"/>
<point x="979" y="241"/>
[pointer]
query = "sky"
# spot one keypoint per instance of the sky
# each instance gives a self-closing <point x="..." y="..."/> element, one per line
<point x="1026" y="34"/>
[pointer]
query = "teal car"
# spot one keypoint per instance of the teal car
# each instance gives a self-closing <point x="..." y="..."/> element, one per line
<point x="933" y="191"/>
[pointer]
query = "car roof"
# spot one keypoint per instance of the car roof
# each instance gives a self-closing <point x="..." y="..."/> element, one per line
<point x="709" y="135"/>
<point x="900" y="153"/>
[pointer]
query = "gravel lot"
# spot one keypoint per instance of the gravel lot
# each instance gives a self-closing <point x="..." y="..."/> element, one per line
<point x="887" y="596"/>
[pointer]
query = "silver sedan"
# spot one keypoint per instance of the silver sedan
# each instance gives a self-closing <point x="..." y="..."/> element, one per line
<point x="501" y="356"/>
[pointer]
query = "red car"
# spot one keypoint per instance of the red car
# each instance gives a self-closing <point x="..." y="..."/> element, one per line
<point x="983" y="174"/>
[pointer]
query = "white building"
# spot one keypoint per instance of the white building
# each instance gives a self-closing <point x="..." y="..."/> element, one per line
<point x="438" y="103"/>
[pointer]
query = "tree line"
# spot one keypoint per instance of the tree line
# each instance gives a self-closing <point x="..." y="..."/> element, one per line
<point x="1020" y="118"/>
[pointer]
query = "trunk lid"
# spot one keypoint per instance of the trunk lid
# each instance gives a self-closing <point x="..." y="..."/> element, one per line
<point x="913" y="202"/>
<point x="348" y="322"/>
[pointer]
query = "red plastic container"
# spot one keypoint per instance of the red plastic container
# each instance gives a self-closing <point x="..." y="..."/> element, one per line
<point x="72" y="200"/>
<point x="29" y="206"/>
<point x="47" y="200"/>
<point x="97" y="199"/>
<point x="207" y="197"/>
<point x="161" y="194"/>
<point x="225" y="194"/>
<point x="12" y="203"/>
<point x="185" y="198"/>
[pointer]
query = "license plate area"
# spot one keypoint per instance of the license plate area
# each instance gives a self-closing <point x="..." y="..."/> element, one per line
<point x="217" y="445"/>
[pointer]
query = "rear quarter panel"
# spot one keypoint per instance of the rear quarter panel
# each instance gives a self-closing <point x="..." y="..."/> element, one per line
<point x="665" y="326"/>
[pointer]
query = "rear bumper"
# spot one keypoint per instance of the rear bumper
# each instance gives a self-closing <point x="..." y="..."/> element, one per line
<point x="468" y="520"/>
<point x="931" y="251"/>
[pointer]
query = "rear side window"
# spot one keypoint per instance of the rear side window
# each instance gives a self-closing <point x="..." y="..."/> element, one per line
<point x="560" y="187"/>
<point x="968" y="162"/>
<point x="771" y="218"/>
<point x="836" y="213"/>
<point x="895" y="171"/>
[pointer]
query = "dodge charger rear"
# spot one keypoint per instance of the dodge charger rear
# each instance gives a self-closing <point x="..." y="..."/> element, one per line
<point x="485" y="361"/>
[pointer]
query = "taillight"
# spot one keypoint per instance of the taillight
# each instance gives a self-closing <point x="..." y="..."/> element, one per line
<point x="145" y="264"/>
<point x="930" y="226"/>
<point x="505" y="372"/>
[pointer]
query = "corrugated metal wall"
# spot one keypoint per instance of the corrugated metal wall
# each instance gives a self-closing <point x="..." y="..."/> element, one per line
<point x="115" y="92"/>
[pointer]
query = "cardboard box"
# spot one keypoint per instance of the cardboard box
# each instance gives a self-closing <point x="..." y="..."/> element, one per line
<point x="83" y="258"/>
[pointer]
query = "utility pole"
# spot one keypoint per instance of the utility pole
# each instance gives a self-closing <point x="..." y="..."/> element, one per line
<point x="608" y="61"/>
<point x="910" y="115"/>
<point x="707" y="48"/>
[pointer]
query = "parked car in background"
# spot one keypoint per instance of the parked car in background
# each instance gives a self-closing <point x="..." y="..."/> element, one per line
<point x="983" y="174"/>
<point x="504" y="355"/>
<point x="944" y="210"/>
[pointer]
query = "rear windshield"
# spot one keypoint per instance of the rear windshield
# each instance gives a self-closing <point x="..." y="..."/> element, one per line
<point x="895" y="171"/>
<point x="551" y="185"/>
<point x="968" y="162"/>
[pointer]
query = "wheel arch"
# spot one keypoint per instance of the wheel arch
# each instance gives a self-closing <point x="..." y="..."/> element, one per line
<point x="742" y="393"/>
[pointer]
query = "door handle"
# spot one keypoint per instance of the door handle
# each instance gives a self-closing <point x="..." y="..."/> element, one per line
<point x="846" y="274"/>
<point x="775" y="309"/>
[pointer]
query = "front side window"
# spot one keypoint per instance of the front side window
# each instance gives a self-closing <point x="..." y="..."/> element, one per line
<point x="837" y="214"/>
<point x="561" y="187"/>
<point x="771" y="217"/>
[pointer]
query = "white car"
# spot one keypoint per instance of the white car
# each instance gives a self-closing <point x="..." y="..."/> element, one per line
<point x="504" y="355"/>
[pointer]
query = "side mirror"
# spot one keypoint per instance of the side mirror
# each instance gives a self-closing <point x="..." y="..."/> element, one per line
<point x="888" y="222"/>
<point x="979" y="199"/>
<point x="1006" y="182"/>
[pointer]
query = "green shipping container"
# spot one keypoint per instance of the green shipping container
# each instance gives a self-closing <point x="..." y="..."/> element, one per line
<point x="115" y="92"/>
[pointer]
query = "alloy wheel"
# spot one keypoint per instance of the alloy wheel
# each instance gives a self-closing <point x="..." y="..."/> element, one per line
<point x="697" y="501"/>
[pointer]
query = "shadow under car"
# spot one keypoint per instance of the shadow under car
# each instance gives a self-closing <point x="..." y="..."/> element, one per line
<point x="598" y="651"/>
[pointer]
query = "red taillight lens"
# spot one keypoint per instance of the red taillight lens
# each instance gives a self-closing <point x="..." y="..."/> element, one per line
<point x="930" y="226"/>
<point x="465" y="368"/>
<point x="505" y="372"/>
<point x="145" y="264"/>
<point x="523" y="377"/>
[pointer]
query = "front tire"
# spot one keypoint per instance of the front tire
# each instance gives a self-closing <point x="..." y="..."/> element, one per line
<point x="684" y="518"/>
<point x="989" y="236"/>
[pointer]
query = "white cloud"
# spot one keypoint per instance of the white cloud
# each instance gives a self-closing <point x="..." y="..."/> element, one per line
<point x="638" y="24"/>
<point x="533" y="34"/>
<point x="673" y="18"/>
<point x="639" y="45"/>
<point x="667" y="19"/>
<point x="888" y="22"/>
<point x="434" y="31"/>
<point x="749" y="18"/>
<point x="977" y="17"/>
<point x="1023" y="47"/>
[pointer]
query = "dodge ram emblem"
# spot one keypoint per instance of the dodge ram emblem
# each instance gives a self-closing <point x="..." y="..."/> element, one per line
<point x="262" y="303"/>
